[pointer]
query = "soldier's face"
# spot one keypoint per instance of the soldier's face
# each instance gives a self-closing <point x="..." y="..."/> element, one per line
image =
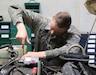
<point x="54" y="29"/>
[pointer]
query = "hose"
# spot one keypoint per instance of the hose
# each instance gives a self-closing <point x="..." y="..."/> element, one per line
<point x="76" y="45"/>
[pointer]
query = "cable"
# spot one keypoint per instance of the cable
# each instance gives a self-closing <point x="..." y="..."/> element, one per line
<point x="89" y="34"/>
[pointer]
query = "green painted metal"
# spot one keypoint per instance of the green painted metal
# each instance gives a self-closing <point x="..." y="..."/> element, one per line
<point x="33" y="5"/>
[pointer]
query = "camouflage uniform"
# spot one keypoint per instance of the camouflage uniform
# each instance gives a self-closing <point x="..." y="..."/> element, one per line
<point x="40" y="25"/>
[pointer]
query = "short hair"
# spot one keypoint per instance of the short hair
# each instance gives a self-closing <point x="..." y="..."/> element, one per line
<point x="63" y="19"/>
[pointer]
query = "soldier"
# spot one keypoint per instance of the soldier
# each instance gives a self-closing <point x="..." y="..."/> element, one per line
<point x="52" y="35"/>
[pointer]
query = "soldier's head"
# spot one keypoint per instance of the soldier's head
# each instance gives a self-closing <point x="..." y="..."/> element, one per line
<point x="60" y="23"/>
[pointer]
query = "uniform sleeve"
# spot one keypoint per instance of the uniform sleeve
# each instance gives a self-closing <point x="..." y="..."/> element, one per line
<point x="19" y="15"/>
<point x="14" y="12"/>
<point x="57" y="51"/>
<point x="28" y="17"/>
